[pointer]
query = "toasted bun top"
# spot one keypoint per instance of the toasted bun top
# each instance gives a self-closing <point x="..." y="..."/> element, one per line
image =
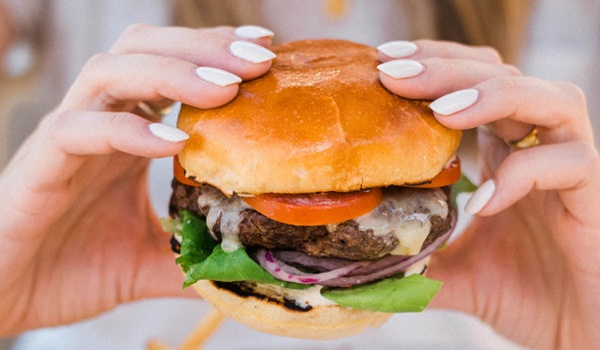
<point x="318" y="121"/>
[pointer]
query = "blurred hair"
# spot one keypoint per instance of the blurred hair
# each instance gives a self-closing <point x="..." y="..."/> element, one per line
<point x="501" y="24"/>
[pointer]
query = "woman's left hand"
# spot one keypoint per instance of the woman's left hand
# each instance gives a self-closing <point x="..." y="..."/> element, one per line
<point x="528" y="262"/>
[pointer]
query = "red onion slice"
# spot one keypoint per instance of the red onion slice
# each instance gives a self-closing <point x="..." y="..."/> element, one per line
<point x="285" y="272"/>
<point x="313" y="262"/>
<point x="393" y="265"/>
<point x="341" y="272"/>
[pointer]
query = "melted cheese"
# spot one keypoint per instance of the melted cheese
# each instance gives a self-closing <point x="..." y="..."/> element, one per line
<point x="229" y="210"/>
<point x="406" y="215"/>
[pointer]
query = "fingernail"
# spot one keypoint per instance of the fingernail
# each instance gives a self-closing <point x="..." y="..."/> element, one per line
<point x="481" y="197"/>
<point x="399" y="69"/>
<point x="168" y="133"/>
<point x="454" y="102"/>
<point x="217" y="76"/>
<point x="250" y="52"/>
<point x="252" y="32"/>
<point x="398" y="49"/>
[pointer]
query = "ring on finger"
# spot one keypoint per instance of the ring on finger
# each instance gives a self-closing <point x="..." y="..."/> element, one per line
<point x="529" y="140"/>
<point x="155" y="113"/>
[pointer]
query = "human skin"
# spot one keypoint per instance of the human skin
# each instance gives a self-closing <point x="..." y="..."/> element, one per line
<point x="528" y="263"/>
<point x="78" y="234"/>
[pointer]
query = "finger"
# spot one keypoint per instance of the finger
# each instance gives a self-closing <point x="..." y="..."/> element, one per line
<point x="113" y="82"/>
<point x="63" y="138"/>
<point x="153" y="110"/>
<point x="220" y="48"/>
<point x="557" y="109"/>
<point x="95" y="133"/>
<point x="56" y="151"/>
<point x="570" y="168"/>
<point x="260" y="35"/>
<point x="159" y="265"/>
<point x="433" y="77"/>
<point x="421" y="49"/>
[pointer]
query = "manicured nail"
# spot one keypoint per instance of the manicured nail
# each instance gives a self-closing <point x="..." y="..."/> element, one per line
<point x="481" y="197"/>
<point x="217" y="76"/>
<point x="252" y="32"/>
<point x="399" y="69"/>
<point x="398" y="49"/>
<point x="454" y="102"/>
<point x="168" y="133"/>
<point x="250" y="52"/>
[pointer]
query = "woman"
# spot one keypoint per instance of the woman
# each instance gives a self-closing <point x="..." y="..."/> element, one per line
<point x="526" y="264"/>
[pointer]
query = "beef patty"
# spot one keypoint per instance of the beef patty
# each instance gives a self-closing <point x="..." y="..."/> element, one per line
<point x="344" y="240"/>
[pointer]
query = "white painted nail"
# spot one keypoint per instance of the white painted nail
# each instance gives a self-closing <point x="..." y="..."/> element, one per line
<point x="217" y="76"/>
<point x="398" y="49"/>
<point x="252" y="32"/>
<point x="454" y="102"/>
<point x="481" y="197"/>
<point x="399" y="69"/>
<point x="167" y="132"/>
<point x="250" y="52"/>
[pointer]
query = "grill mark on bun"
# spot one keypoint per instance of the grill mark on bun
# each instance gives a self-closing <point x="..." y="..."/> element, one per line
<point x="175" y="245"/>
<point x="245" y="291"/>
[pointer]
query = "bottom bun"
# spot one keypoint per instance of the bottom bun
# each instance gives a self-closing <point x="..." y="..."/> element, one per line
<point x="270" y="316"/>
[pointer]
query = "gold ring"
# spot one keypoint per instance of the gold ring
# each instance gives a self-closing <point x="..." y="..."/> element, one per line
<point x="153" y="112"/>
<point x="529" y="140"/>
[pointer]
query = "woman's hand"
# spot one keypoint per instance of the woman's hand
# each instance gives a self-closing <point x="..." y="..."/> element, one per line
<point x="78" y="235"/>
<point x="529" y="262"/>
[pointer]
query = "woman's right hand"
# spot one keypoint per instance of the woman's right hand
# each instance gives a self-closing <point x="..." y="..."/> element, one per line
<point x="527" y="263"/>
<point x="78" y="235"/>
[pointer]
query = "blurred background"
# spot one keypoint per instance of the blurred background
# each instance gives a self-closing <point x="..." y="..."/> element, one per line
<point x="55" y="38"/>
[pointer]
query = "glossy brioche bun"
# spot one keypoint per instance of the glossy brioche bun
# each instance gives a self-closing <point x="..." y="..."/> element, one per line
<point x="318" y="121"/>
<point x="321" y="322"/>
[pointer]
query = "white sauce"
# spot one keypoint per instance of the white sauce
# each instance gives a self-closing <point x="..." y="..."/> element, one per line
<point x="417" y="268"/>
<point x="311" y="296"/>
<point x="229" y="209"/>
<point x="178" y="238"/>
<point x="399" y="213"/>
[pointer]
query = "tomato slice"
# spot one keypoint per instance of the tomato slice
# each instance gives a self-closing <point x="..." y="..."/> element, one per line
<point x="316" y="208"/>
<point x="449" y="175"/>
<point x="179" y="174"/>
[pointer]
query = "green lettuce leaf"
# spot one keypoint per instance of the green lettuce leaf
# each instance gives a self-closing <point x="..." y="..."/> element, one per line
<point x="232" y="267"/>
<point x="196" y="243"/>
<point x="202" y="258"/>
<point x="393" y="294"/>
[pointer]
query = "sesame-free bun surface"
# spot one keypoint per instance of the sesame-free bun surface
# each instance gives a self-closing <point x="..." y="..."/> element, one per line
<point x="321" y="322"/>
<point x="318" y="121"/>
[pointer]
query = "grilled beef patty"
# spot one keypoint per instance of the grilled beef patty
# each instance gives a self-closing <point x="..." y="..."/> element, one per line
<point x="344" y="240"/>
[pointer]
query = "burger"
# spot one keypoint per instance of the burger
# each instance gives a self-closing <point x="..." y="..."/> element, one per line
<point x="308" y="206"/>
